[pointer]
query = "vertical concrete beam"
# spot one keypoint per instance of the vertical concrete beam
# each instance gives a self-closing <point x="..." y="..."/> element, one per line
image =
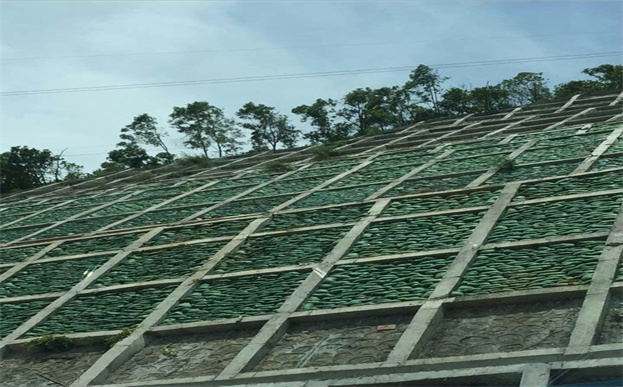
<point x="427" y="317"/>
<point x="576" y="115"/>
<point x="127" y="347"/>
<point x="617" y="99"/>
<point x="593" y="308"/>
<point x="599" y="150"/>
<point x="535" y="375"/>
<point x="277" y="325"/>
<point x="71" y="293"/>
<point x="509" y="126"/>
<point x="510" y="114"/>
<point x="492" y="171"/>
<point x="568" y="103"/>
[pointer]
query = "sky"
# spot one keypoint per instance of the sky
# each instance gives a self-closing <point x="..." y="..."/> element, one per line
<point x="65" y="44"/>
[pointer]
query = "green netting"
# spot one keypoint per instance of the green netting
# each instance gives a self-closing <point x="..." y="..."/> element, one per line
<point x="373" y="175"/>
<point x="46" y="277"/>
<point x="18" y="254"/>
<point x="166" y="263"/>
<point x="281" y="250"/>
<point x="102" y="311"/>
<point x="289" y="186"/>
<point x="129" y="207"/>
<point x="327" y="171"/>
<point x="529" y="172"/>
<point x="93" y="245"/>
<point x="571" y="185"/>
<point x="463" y="165"/>
<point x="475" y="144"/>
<point x="607" y="163"/>
<point x="337" y="196"/>
<point x="594" y="214"/>
<point x="439" y="203"/>
<point x="16" y="313"/>
<point x="10" y="234"/>
<point x="533" y="267"/>
<point x="160" y="192"/>
<point x="467" y="152"/>
<point x="590" y="139"/>
<point x="201" y="231"/>
<point x="343" y="214"/>
<point x="54" y="215"/>
<point x="23" y="209"/>
<point x="162" y="216"/>
<point x="570" y="151"/>
<point x="378" y="282"/>
<point x="209" y="196"/>
<point x="248" y="206"/>
<point x="342" y="163"/>
<point x="616" y="147"/>
<point x="79" y="226"/>
<point x="236" y="296"/>
<point x="432" y="184"/>
<point x="415" y="234"/>
<point x="401" y="158"/>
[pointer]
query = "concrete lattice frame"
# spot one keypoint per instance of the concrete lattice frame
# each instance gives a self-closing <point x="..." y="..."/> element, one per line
<point x="534" y="365"/>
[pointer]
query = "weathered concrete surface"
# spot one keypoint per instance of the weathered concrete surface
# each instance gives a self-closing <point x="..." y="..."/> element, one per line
<point x="180" y="356"/>
<point x="612" y="327"/>
<point x="347" y="341"/>
<point x="502" y="328"/>
<point x="46" y="369"/>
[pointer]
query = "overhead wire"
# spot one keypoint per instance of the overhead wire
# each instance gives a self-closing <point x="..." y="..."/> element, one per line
<point x="256" y="78"/>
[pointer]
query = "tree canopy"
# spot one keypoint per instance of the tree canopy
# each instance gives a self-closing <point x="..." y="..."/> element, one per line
<point x="268" y="128"/>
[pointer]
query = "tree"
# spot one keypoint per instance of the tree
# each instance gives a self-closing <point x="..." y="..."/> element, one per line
<point x="24" y="168"/>
<point x="128" y="155"/>
<point x="145" y="130"/>
<point x="203" y="125"/>
<point x="525" y="88"/>
<point x="426" y="83"/>
<point x="488" y="99"/>
<point x="322" y="116"/>
<point x="268" y="128"/>
<point x="456" y="101"/>
<point x="609" y="76"/>
<point x="354" y="110"/>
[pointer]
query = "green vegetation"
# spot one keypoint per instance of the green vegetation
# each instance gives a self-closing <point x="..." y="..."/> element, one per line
<point x="51" y="343"/>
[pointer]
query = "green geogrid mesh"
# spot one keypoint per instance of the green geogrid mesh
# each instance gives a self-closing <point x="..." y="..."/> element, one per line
<point x="378" y="282"/>
<point x="608" y="162"/>
<point x="236" y="296"/>
<point x="414" y="205"/>
<point x="460" y="165"/>
<point x="529" y="172"/>
<point x="249" y="206"/>
<point x="337" y="196"/>
<point x="10" y="234"/>
<point x="47" y="277"/>
<point x="16" y="313"/>
<point x="201" y="231"/>
<point x="344" y="214"/>
<point x="208" y="196"/>
<point x="414" y="234"/>
<point x="18" y="254"/>
<point x="571" y="151"/>
<point x="533" y="267"/>
<point x="129" y="206"/>
<point x="616" y="147"/>
<point x="571" y="185"/>
<point x="102" y="311"/>
<point x="157" y="217"/>
<point x="370" y="174"/>
<point x="585" y="215"/>
<point x="431" y="184"/>
<point x="78" y="227"/>
<point x="173" y="262"/>
<point x="93" y="245"/>
<point x="289" y="186"/>
<point x="54" y="215"/>
<point x="281" y="250"/>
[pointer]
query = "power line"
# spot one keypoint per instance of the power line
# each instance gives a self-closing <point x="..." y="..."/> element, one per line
<point x="242" y="79"/>
<point x="287" y="47"/>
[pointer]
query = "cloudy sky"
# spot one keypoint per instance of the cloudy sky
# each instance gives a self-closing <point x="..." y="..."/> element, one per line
<point x="65" y="44"/>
